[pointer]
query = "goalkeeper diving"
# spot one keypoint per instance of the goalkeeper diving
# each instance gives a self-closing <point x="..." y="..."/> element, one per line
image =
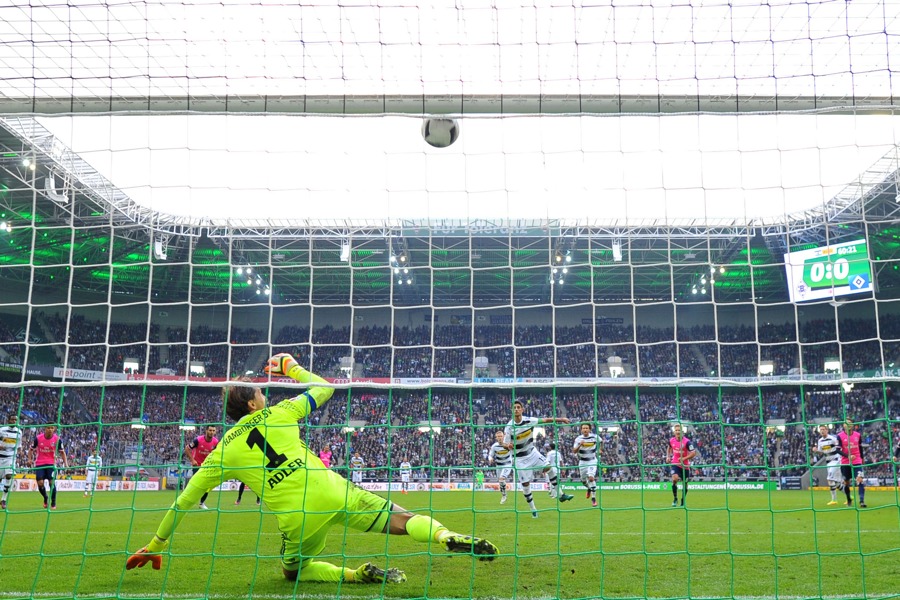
<point x="264" y="451"/>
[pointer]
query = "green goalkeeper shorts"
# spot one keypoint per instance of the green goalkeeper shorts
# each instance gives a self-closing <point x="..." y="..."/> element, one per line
<point x="360" y="510"/>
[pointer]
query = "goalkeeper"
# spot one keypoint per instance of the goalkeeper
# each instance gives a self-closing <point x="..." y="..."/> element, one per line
<point x="264" y="451"/>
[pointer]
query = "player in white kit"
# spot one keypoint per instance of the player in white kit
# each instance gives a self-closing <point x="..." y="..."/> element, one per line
<point x="553" y="461"/>
<point x="405" y="474"/>
<point x="587" y="446"/>
<point x="91" y="470"/>
<point x="829" y="446"/>
<point x="519" y="437"/>
<point x="501" y="456"/>
<point x="10" y="436"/>
<point x="356" y="468"/>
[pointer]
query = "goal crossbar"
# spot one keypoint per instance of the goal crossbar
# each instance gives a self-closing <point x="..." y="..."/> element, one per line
<point x="457" y="105"/>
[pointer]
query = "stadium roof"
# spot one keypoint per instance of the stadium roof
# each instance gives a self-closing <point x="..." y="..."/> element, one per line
<point x="578" y="170"/>
<point x="452" y="263"/>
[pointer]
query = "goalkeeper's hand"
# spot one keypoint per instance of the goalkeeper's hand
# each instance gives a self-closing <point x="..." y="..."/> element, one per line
<point x="148" y="554"/>
<point x="283" y="365"/>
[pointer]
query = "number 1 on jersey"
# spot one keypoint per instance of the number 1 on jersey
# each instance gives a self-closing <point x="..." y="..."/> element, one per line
<point x="255" y="439"/>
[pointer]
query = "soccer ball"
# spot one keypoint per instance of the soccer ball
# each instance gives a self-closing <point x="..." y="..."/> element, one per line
<point x="440" y="133"/>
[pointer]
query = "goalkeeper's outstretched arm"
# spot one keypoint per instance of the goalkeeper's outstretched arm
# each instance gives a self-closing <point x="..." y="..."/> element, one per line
<point x="315" y="396"/>
<point x="206" y="479"/>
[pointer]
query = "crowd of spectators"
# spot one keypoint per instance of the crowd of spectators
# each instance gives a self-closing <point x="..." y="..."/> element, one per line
<point x="12" y="339"/>
<point x="449" y="350"/>
<point x="739" y="433"/>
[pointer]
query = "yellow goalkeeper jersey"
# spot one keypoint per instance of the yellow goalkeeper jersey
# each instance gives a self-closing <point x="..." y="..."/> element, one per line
<point x="264" y="450"/>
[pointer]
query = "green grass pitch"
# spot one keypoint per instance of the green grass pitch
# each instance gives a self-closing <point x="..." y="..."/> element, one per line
<point x="746" y="544"/>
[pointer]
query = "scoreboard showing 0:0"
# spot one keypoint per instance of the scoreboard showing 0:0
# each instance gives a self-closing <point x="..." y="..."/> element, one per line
<point x="829" y="271"/>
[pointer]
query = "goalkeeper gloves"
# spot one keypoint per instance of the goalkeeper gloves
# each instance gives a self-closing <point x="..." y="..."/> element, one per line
<point x="284" y="365"/>
<point x="148" y="554"/>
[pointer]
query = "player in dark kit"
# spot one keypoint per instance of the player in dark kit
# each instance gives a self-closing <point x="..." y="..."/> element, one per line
<point x="679" y="453"/>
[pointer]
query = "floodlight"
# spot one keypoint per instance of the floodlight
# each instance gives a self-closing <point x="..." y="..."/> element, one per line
<point x="617" y="251"/>
<point x="159" y="249"/>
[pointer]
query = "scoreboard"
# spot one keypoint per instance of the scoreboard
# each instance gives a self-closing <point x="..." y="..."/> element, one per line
<point x="829" y="271"/>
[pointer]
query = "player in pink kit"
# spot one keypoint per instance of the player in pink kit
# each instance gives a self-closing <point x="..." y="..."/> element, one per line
<point x="679" y="454"/>
<point x="851" y="462"/>
<point x="198" y="450"/>
<point x="325" y="456"/>
<point x="43" y="454"/>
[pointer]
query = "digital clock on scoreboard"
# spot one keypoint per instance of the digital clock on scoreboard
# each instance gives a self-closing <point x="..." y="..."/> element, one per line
<point x="828" y="271"/>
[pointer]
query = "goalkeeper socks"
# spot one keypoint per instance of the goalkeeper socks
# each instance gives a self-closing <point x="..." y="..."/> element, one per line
<point x="424" y="529"/>
<point x="847" y="492"/>
<point x="316" y="570"/>
<point x="203" y="499"/>
<point x="862" y="492"/>
<point x="683" y="490"/>
<point x="43" y="493"/>
<point x="53" y="495"/>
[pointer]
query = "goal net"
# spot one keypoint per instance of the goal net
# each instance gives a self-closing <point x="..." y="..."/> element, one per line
<point x="629" y="219"/>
